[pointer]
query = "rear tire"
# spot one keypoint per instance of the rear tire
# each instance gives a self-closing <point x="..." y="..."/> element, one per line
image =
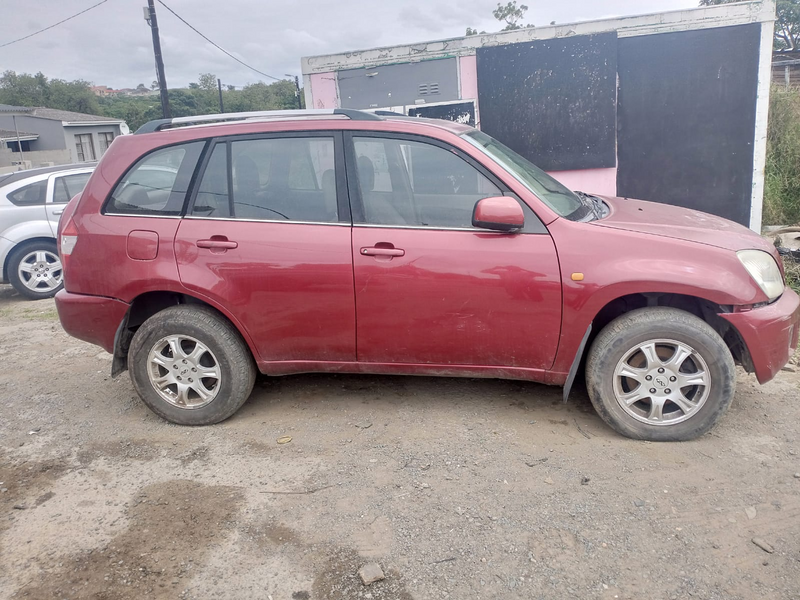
<point x="660" y="374"/>
<point x="190" y="366"/>
<point x="35" y="271"/>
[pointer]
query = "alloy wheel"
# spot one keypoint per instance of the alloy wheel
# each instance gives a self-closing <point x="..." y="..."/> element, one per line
<point x="661" y="382"/>
<point x="40" y="271"/>
<point x="184" y="371"/>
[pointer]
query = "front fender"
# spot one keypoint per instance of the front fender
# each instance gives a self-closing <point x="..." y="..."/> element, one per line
<point x="619" y="263"/>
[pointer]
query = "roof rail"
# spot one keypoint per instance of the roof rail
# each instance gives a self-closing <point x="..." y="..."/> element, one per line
<point x="161" y="124"/>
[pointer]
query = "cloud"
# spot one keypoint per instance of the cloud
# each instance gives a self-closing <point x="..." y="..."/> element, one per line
<point x="111" y="44"/>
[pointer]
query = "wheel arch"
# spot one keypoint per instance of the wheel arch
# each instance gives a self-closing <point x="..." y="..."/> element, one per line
<point x="20" y="244"/>
<point x="147" y="304"/>
<point x="702" y="308"/>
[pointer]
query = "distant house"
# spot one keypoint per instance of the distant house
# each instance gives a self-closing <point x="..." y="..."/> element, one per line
<point x="786" y="68"/>
<point x="50" y="136"/>
<point x="103" y="91"/>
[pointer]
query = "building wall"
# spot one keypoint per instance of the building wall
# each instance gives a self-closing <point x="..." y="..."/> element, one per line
<point x="51" y="135"/>
<point x="403" y="84"/>
<point x="323" y="91"/>
<point x="729" y="193"/>
<point x="38" y="158"/>
<point x="71" y="131"/>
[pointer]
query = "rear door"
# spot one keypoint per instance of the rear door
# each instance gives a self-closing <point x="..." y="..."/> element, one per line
<point x="23" y="203"/>
<point x="267" y="236"/>
<point x="127" y="247"/>
<point x="61" y="189"/>
<point x="430" y="288"/>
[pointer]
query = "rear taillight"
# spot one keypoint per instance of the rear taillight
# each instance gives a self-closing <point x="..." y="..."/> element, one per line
<point x="67" y="239"/>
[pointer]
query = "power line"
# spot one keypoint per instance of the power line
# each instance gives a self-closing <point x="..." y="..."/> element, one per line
<point x="218" y="47"/>
<point x="54" y="24"/>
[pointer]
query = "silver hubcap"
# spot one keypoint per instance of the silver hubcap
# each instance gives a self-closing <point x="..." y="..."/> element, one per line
<point x="183" y="371"/>
<point x="661" y="382"/>
<point x="40" y="271"/>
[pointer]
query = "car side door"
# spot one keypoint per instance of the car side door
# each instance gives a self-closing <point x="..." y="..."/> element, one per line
<point x="267" y="237"/>
<point x="25" y="207"/>
<point x="431" y="289"/>
<point x="60" y="189"/>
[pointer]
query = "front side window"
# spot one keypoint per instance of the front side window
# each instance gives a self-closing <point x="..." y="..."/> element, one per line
<point x="275" y="179"/>
<point x="84" y="147"/>
<point x="548" y="190"/>
<point x="68" y="186"/>
<point x="411" y="183"/>
<point x="157" y="184"/>
<point x="29" y="195"/>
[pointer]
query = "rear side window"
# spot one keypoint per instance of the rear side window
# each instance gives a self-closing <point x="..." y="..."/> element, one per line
<point x="157" y="184"/>
<point x="68" y="186"/>
<point x="275" y="179"/>
<point x="30" y="195"/>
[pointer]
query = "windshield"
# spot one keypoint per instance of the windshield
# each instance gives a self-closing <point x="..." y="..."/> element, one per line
<point x="548" y="190"/>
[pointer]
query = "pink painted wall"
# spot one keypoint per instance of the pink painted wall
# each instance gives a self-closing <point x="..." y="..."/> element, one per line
<point x="469" y="77"/>
<point x="468" y="73"/>
<point x="591" y="181"/>
<point x="323" y="90"/>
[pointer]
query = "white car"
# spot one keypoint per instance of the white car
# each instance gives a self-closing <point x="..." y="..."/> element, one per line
<point x="31" y="203"/>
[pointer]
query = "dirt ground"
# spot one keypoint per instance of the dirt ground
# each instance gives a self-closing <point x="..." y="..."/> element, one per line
<point x="458" y="488"/>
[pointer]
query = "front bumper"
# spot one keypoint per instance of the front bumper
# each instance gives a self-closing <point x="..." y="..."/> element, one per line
<point x="770" y="333"/>
<point x="93" y="319"/>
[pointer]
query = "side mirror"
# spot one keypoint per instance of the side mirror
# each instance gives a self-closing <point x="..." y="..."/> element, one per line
<point x="500" y="213"/>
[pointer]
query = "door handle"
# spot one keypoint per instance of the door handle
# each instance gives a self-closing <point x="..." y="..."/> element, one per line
<point x="383" y="252"/>
<point x="58" y="212"/>
<point x="217" y="244"/>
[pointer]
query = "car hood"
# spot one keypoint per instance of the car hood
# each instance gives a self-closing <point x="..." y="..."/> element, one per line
<point x="680" y="223"/>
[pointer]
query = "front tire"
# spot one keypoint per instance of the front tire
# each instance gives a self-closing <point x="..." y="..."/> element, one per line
<point x="660" y="374"/>
<point x="35" y="271"/>
<point x="190" y="366"/>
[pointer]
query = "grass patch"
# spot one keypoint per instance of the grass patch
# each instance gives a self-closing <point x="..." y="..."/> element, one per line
<point x="782" y="170"/>
<point x="792" y="270"/>
<point x="40" y="315"/>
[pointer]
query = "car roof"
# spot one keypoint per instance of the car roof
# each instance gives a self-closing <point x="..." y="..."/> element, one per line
<point x="311" y="115"/>
<point x="9" y="178"/>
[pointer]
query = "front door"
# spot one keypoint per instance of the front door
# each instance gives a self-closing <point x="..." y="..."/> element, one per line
<point x="430" y="288"/>
<point x="265" y="238"/>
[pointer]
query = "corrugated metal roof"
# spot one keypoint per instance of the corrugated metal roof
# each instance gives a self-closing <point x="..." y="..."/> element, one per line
<point x="56" y="114"/>
<point x="6" y="134"/>
<point x="11" y="108"/>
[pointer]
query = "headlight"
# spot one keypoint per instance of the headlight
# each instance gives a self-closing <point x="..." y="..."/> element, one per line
<point x="764" y="271"/>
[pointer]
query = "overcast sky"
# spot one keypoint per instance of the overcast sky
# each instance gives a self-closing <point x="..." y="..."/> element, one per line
<point x="111" y="44"/>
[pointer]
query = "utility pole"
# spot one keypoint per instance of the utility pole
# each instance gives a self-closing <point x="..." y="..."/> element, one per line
<point x="296" y="90"/>
<point x="19" y="143"/>
<point x="219" y="87"/>
<point x="150" y="17"/>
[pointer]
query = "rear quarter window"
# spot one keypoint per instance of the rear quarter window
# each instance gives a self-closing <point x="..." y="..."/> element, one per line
<point x="32" y="194"/>
<point x="157" y="183"/>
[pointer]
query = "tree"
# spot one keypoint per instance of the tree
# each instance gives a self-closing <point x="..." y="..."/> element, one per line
<point x="510" y="14"/>
<point x="36" y="90"/>
<point x="787" y="25"/>
<point x="141" y="88"/>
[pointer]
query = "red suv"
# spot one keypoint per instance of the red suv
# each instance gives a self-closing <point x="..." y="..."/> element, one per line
<point x="206" y="248"/>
